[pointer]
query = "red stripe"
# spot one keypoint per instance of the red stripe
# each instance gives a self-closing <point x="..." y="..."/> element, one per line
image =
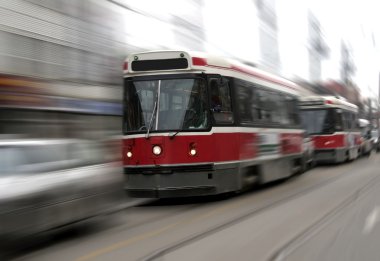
<point x="197" y="61"/>
<point x="329" y="141"/>
<point x="217" y="147"/>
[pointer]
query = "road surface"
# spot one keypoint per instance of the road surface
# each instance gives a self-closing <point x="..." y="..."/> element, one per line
<point x="329" y="213"/>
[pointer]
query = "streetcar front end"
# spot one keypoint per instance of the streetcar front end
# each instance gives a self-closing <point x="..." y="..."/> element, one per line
<point x="169" y="146"/>
<point x="330" y="122"/>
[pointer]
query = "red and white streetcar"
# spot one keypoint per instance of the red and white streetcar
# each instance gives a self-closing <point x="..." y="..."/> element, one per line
<point x="196" y="125"/>
<point x="332" y="124"/>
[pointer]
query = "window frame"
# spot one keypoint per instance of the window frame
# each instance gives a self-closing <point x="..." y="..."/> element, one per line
<point x="166" y="77"/>
<point x="229" y="82"/>
<point x="294" y="122"/>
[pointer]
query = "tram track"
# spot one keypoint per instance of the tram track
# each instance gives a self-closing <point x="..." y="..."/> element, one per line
<point x="155" y="255"/>
<point x="315" y="228"/>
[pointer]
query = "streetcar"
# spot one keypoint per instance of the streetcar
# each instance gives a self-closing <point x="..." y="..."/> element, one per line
<point x="333" y="125"/>
<point x="196" y="124"/>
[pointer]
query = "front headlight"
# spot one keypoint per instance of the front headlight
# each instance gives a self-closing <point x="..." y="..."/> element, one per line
<point x="156" y="150"/>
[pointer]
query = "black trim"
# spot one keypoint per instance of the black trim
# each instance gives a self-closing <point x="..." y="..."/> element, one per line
<point x="168" y="169"/>
<point x="165" y="76"/>
<point x="172" y="192"/>
<point x="159" y="65"/>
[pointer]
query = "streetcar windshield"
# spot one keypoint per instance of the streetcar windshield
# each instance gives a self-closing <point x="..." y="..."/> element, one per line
<point x="319" y="121"/>
<point x="168" y="104"/>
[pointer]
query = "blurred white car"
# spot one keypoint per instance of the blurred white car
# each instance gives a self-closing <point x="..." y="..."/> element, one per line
<point x="49" y="183"/>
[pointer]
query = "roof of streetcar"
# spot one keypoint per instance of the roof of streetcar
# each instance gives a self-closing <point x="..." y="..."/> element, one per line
<point x="207" y="63"/>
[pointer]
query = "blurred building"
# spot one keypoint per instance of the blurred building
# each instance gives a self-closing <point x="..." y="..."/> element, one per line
<point x="268" y="34"/>
<point x="187" y="20"/>
<point x="60" y="68"/>
<point x="317" y="49"/>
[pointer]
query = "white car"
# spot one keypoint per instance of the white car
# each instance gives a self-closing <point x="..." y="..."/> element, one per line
<point x="49" y="183"/>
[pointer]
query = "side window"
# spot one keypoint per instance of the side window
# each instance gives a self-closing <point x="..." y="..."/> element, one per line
<point x="339" y="125"/>
<point x="263" y="103"/>
<point x="221" y="101"/>
<point x="351" y="123"/>
<point x="355" y="122"/>
<point x="344" y="120"/>
<point x="292" y="110"/>
<point x="246" y="104"/>
<point x="349" y="120"/>
<point x="259" y="105"/>
<point x="279" y="109"/>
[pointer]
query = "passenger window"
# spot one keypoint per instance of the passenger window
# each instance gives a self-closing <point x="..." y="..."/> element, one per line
<point x="292" y="110"/>
<point x="246" y="104"/>
<point x="264" y="104"/>
<point x="221" y="101"/>
<point x="339" y="120"/>
<point x="258" y="105"/>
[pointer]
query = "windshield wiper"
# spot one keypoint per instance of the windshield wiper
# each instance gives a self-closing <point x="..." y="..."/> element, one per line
<point x="155" y="110"/>
<point x="172" y="135"/>
<point x="151" y="120"/>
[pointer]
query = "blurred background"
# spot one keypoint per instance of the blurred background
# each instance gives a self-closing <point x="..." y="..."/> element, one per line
<point x="60" y="61"/>
<point x="61" y="73"/>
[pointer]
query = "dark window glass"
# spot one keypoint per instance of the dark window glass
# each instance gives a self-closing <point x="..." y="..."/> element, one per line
<point x="319" y="121"/>
<point x="174" y="104"/>
<point x="262" y="106"/>
<point x="292" y="110"/>
<point x="246" y="104"/>
<point x="163" y="64"/>
<point x="339" y="121"/>
<point x="221" y="101"/>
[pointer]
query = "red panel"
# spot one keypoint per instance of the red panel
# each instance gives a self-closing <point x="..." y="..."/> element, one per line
<point x="216" y="147"/>
<point x="291" y="143"/>
<point x="329" y="141"/>
<point x="247" y="145"/>
<point x="210" y="148"/>
<point x="199" y="61"/>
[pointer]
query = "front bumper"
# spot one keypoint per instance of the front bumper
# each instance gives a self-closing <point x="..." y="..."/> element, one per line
<point x="179" y="181"/>
<point x="330" y="155"/>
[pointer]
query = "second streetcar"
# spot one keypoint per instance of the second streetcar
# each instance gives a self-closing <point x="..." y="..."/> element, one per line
<point x="332" y="124"/>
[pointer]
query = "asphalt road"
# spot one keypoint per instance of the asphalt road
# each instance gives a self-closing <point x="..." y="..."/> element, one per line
<point x="329" y="213"/>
